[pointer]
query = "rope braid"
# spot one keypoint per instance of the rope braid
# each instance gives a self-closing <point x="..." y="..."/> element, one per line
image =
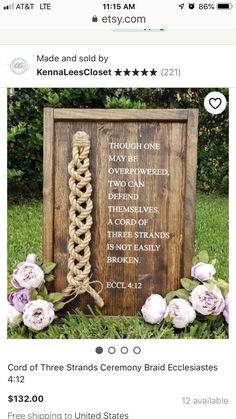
<point x="81" y="221"/>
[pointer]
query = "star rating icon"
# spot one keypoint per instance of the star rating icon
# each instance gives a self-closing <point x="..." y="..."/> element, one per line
<point x="144" y="72"/>
<point x="127" y="72"/>
<point x="134" y="73"/>
<point x="153" y="72"/>
<point x="118" y="72"/>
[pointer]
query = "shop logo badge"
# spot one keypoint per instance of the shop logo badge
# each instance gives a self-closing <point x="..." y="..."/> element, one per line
<point x="19" y="65"/>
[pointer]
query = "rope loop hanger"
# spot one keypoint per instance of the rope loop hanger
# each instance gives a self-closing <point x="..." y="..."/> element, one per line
<point x="81" y="205"/>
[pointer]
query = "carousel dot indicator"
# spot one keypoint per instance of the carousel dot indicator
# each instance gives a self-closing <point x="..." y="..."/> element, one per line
<point x="136" y="350"/>
<point x="111" y="350"/>
<point x="124" y="350"/>
<point x="99" y="350"/>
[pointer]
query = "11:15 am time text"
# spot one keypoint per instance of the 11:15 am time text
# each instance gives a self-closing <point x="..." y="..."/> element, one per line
<point x="118" y="6"/>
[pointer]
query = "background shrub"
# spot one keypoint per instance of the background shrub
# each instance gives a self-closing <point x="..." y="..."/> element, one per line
<point x="25" y="130"/>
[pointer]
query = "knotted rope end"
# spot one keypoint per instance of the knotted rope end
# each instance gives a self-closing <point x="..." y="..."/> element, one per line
<point x="81" y="139"/>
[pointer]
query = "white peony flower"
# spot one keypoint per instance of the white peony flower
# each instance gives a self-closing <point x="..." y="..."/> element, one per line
<point x="181" y="312"/>
<point x="154" y="309"/>
<point x="203" y="271"/>
<point x="14" y="317"/>
<point x="226" y="308"/>
<point x="38" y="314"/>
<point x="207" y="302"/>
<point x="28" y="275"/>
<point x="31" y="258"/>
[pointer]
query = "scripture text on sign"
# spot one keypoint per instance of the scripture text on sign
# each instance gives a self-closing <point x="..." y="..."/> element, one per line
<point x="143" y="166"/>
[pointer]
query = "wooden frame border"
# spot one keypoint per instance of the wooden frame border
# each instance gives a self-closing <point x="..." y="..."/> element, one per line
<point x="48" y="184"/>
<point x="190" y="190"/>
<point x="188" y="115"/>
<point x="123" y="114"/>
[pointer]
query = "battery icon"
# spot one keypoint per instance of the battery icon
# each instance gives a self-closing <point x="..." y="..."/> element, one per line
<point x="224" y="6"/>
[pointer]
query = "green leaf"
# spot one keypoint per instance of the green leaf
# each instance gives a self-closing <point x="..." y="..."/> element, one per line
<point x="213" y="262"/>
<point x="19" y="318"/>
<point x="33" y="294"/>
<point x="189" y="284"/>
<point x="48" y="267"/>
<point x="182" y="293"/>
<point x="58" y="306"/>
<point x="49" y="278"/>
<point x="168" y="319"/>
<point x="54" y="297"/>
<point x="43" y="292"/>
<point x="210" y="285"/>
<point x="169" y="296"/>
<point x="195" y="260"/>
<point x="211" y="317"/>
<point x="223" y="286"/>
<point x="203" y="256"/>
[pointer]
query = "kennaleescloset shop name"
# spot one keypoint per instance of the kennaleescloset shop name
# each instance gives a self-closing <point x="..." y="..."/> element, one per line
<point x="65" y="72"/>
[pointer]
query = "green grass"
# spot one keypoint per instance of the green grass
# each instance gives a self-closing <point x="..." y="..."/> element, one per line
<point x="212" y="230"/>
<point x="77" y="326"/>
<point x="24" y="232"/>
<point x="25" y="236"/>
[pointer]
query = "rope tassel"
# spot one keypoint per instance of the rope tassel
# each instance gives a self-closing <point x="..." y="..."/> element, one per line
<point x="81" y="221"/>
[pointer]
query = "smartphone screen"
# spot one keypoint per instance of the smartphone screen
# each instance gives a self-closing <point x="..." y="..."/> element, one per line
<point x="117" y="130"/>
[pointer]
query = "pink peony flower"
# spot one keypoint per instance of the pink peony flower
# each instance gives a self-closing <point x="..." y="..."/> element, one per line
<point x="19" y="299"/>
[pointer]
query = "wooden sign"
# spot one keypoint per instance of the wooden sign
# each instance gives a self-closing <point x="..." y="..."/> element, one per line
<point x="143" y="165"/>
